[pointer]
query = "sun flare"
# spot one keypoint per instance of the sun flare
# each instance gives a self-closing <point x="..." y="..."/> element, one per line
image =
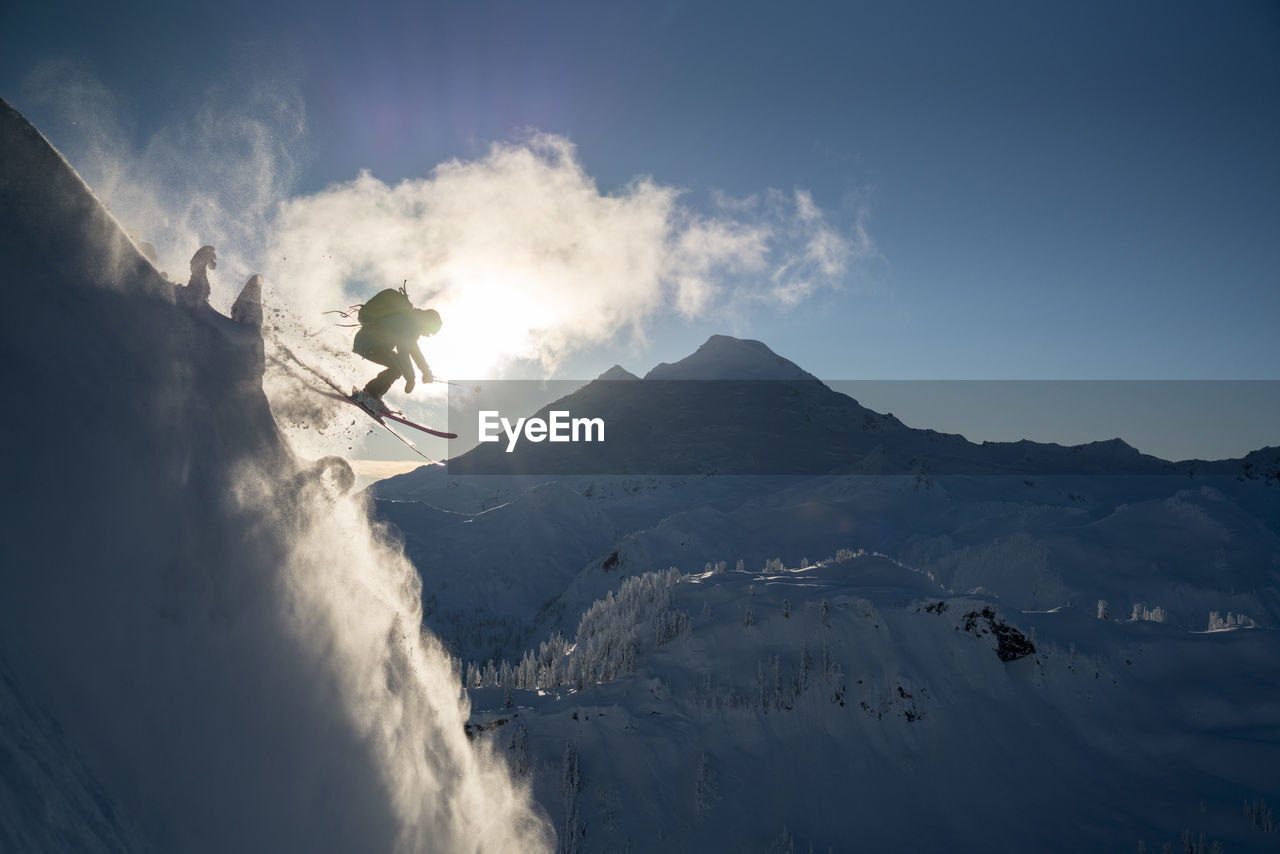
<point x="490" y="317"/>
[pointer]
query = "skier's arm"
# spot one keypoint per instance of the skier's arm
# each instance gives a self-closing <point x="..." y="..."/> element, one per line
<point x="415" y="353"/>
<point x="405" y="329"/>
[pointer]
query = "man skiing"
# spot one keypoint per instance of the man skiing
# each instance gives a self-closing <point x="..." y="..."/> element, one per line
<point x="389" y="330"/>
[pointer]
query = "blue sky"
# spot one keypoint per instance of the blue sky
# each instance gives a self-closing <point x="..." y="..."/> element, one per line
<point x="1046" y="191"/>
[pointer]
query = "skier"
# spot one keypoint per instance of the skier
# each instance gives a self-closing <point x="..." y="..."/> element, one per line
<point x="389" y="330"/>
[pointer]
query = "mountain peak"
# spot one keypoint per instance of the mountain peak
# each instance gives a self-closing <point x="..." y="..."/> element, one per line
<point x="724" y="357"/>
<point x="617" y="372"/>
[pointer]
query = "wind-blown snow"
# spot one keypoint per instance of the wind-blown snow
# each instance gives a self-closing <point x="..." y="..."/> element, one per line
<point x="213" y="623"/>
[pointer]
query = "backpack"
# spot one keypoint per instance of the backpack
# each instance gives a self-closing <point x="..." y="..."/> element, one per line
<point x="384" y="304"/>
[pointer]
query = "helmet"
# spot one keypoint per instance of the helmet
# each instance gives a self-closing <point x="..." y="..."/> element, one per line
<point x="429" y="322"/>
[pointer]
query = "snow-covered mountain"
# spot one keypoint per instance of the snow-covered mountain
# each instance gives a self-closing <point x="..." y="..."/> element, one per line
<point x="995" y="646"/>
<point x="914" y="492"/>
<point x="204" y="644"/>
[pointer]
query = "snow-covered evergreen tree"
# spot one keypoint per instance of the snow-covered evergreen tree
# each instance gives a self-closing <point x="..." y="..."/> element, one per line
<point x="607" y="643"/>
<point x="1152" y="615"/>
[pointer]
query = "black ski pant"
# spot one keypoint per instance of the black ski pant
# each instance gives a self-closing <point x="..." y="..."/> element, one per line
<point x="383" y="353"/>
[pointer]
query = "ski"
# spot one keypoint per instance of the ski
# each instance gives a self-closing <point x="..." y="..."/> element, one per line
<point x="394" y="416"/>
<point x="337" y="393"/>
<point x="399" y="417"/>
<point x="409" y="443"/>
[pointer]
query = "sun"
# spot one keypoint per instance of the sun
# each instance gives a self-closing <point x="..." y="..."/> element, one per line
<point x="489" y="318"/>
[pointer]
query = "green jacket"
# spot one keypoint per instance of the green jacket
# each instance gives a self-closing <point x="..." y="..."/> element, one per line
<point x="397" y="331"/>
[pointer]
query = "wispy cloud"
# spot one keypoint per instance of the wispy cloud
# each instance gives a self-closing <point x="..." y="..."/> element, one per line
<point x="527" y="258"/>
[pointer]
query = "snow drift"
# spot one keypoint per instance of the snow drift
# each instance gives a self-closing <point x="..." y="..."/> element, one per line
<point x="211" y="622"/>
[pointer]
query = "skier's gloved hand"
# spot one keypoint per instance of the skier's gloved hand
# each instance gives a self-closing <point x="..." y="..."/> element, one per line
<point x="428" y="377"/>
<point x="409" y="383"/>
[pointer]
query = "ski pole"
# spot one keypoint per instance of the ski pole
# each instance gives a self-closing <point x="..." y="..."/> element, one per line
<point x="474" y="388"/>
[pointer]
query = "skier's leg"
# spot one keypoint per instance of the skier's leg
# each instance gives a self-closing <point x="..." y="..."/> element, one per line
<point x="374" y="346"/>
<point x="398" y="365"/>
<point x="381" y="384"/>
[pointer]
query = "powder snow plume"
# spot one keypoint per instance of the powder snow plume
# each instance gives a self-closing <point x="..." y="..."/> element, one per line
<point x="214" y="173"/>
<point x="214" y="624"/>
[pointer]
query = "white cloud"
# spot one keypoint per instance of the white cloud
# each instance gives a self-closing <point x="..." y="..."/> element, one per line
<point x="527" y="258"/>
<point x="806" y="210"/>
<point x="819" y="254"/>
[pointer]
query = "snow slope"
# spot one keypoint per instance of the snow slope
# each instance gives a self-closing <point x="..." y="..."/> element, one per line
<point x="211" y="648"/>
<point x="854" y="704"/>
<point x="51" y="800"/>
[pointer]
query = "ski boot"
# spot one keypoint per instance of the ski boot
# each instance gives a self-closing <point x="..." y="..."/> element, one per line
<point x="374" y="405"/>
